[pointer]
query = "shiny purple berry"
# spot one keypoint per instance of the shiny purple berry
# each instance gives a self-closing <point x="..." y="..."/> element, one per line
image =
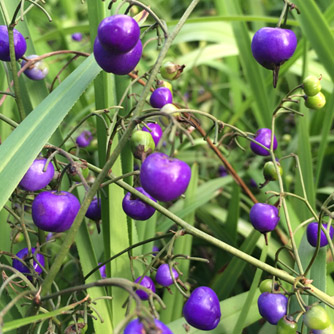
<point x="202" y="309"/>
<point x="54" y="211"/>
<point x="136" y="327"/>
<point x="35" y="178"/>
<point x="24" y="254"/>
<point x="117" y="63"/>
<point x="84" y="139"/>
<point x="155" y="131"/>
<point x="77" y="36"/>
<point x="160" y="97"/>
<point x="20" y="44"/>
<point x="264" y="217"/>
<point x="147" y="283"/>
<point x="136" y="208"/>
<point x="272" y="306"/>
<point x="37" y="71"/>
<point x="163" y="276"/>
<point x="222" y="171"/>
<point x="263" y="136"/>
<point x="312" y="234"/>
<point x="163" y="177"/>
<point x="273" y="46"/>
<point x="119" y="33"/>
<point x="94" y="210"/>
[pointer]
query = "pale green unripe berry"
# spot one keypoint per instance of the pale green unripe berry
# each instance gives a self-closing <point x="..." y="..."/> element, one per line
<point x="317" y="318"/>
<point x="315" y="102"/>
<point x="269" y="171"/>
<point x="142" y="144"/>
<point x="311" y="85"/>
<point x="171" y="71"/>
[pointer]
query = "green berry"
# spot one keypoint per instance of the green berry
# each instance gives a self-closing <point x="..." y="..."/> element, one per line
<point x="286" y="325"/>
<point x="73" y="172"/>
<point x="315" y="102"/>
<point x="168" y="108"/>
<point x="269" y="171"/>
<point x="171" y="71"/>
<point x="142" y="144"/>
<point x="267" y="284"/>
<point x="317" y="318"/>
<point x="311" y="85"/>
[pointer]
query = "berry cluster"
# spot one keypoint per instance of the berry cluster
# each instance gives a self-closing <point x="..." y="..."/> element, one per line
<point x="117" y="47"/>
<point x="314" y="98"/>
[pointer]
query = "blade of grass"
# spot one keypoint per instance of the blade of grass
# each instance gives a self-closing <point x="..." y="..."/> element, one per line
<point x="19" y="150"/>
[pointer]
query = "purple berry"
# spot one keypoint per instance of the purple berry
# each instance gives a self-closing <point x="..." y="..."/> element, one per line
<point x="54" y="211"/>
<point x="117" y="63"/>
<point x="202" y="309"/>
<point x="155" y="131"/>
<point x="263" y="136"/>
<point x="23" y="254"/>
<point x="119" y="33"/>
<point x="163" y="177"/>
<point x="20" y="44"/>
<point x="160" y="97"/>
<point x="136" y="208"/>
<point x="147" y="283"/>
<point x="136" y="327"/>
<point x="77" y="36"/>
<point x="84" y="139"/>
<point x="94" y="209"/>
<point x="264" y="217"/>
<point x="103" y="271"/>
<point x="35" y="178"/>
<point x="271" y="47"/>
<point x="272" y="306"/>
<point x="155" y="250"/>
<point x="163" y="276"/>
<point x="222" y="171"/>
<point x="37" y="71"/>
<point x="312" y="234"/>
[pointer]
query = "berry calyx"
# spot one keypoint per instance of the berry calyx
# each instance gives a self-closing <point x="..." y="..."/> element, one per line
<point x="286" y="325"/>
<point x="271" y="47"/>
<point x="160" y="97"/>
<point x="147" y="283"/>
<point x="163" y="275"/>
<point x="263" y="136"/>
<point x="311" y="85"/>
<point x="54" y="211"/>
<point x="84" y="139"/>
<point x="312" y="234"/>
<point x="164" y="178"/>
<point x="155" y="131"/>
<point x="202" y="309"/>
<point x="316" y="102"/>
<point x="94" y="209"/>
<point x="272" y="306"/>
<point x="37" y="71"/>
<point x="136" y="208"/>
<point x="136" y="327"/>
<point x="35" y="178"/>
<point x="20" y="44"/>
<point x="142" y="144"/>
<point x="23" y="254"/>
<point x="119" y="33"/>
<point x="115" y="62"/>
<point x="316" y="317"/>
<point x="264" y="217"/>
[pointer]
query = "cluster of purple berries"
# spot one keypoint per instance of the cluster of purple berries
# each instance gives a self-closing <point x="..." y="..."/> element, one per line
<point x="117" y="47"/>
